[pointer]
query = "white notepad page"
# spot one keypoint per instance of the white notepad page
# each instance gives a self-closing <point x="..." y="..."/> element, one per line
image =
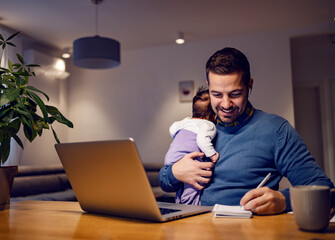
<point x="220" y="210"/>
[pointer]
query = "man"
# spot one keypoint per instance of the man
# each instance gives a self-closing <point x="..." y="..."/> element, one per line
<point x="250" y="143"/>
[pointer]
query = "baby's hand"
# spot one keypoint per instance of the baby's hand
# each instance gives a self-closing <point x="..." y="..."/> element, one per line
<point x="215" y="157"/>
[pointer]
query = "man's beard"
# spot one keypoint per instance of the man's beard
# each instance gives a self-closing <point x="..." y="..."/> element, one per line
<point x="228" y="115"/>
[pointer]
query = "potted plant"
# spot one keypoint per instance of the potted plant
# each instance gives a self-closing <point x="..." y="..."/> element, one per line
<point x="20" y="104"/>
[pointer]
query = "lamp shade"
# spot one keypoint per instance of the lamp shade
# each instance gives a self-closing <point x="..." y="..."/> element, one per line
<point x="96" y="52"/>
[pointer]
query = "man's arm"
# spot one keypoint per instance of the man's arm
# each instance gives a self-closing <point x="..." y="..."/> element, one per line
<point x="167" y="180"/>
<point x="186" y="170"/>
<point x="294" y="161"/>
<point x="192" y="172"/>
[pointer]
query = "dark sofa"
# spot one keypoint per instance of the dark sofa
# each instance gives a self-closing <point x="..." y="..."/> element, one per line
<point x="51" y="183"/>
<point x="42" y="183"/>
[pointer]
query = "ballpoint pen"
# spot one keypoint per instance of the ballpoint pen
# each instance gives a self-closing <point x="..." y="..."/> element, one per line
<point x="264" y="181"/>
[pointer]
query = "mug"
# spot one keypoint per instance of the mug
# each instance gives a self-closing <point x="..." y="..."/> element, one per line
<point x="312" y="206"/>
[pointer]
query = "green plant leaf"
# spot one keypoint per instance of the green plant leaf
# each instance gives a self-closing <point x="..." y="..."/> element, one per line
<point x="52" y="110"/>
<point x="6" y="118"/>
<point x="11" y="44"/>
<point x="1" y="135"/>
<point x="28" y="129"/>
<point x="30" y="104"/>
<point x="37" y="90"/>
<point x="9" y="95"/>
<point x="5" y="148"/>
<point x="10" y="65"/>
<point x="14" y="125"/>
<point x="59" y="117"/>
<point x="20" y="58"/>
<point x="3" y="112"/>
<point x="6" y="80"/>
<point x="21" y="81"/>
<point x="18" y="140"/>
<point x="55" y="135"/>
<point x="26" y="113"/>
<point x="40" y="103"/>
<point x="12" y="36"/>
<point x="33" y="65"/>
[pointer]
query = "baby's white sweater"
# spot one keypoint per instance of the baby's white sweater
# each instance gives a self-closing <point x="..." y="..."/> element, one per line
<point x="204" y="129"/>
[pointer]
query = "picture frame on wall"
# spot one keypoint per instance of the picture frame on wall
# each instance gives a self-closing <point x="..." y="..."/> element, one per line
<point x="186" y="91"/>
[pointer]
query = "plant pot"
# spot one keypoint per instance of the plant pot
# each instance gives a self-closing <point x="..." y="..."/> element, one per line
<point x="7" y="175"/>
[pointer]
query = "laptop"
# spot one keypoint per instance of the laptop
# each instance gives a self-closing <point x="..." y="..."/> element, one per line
<point x="108" y="178"/>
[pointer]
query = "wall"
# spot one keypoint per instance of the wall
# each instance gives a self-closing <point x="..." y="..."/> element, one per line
<point x="313" y="59"/>
<point x="139" y="99"/>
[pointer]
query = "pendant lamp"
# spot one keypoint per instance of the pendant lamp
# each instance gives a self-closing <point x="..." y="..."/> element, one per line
<point x="96" y="52"/>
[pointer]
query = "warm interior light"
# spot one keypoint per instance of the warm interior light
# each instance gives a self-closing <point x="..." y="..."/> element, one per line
<point x="67" y="52"/>
<point x="180" y="39"/>
<point x="66" y="55"/>
<point x="60" y="65"/>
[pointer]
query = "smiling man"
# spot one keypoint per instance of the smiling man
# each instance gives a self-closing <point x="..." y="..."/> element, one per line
<point x="228" y="96"/>
<point x="250" y="143"/>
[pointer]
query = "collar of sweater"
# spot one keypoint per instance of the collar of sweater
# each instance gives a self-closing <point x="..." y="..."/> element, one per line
<point x="246" y="115"/>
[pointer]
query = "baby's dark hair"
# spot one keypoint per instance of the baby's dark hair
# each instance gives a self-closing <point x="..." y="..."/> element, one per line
<point x="201" y="105"/>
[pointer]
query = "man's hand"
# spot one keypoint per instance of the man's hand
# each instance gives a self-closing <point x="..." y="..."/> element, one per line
<point x="264" y="201"/>
<point x="191" y="171"/>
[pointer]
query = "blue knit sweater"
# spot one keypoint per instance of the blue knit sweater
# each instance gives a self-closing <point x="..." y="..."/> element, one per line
<point x="248" y="152"/>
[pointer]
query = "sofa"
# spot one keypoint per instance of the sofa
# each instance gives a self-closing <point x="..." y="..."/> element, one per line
<point x="42" y="183"/>
<point x="50" y="183"/>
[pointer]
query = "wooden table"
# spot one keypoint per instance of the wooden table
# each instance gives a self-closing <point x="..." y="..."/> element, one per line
<point x="65" y="220"/>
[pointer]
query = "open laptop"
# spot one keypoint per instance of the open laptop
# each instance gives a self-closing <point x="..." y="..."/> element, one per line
<point x="108" y="178"/>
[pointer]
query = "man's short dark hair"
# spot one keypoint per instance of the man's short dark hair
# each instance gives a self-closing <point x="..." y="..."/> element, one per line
<point x="229" y="61"/>
<point x="201" y="107"/>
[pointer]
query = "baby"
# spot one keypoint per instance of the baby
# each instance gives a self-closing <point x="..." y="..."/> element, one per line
<point x="193" y="135"/>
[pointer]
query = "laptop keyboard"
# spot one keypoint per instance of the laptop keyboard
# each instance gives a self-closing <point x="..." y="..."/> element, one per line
<point x="168" y="210"/>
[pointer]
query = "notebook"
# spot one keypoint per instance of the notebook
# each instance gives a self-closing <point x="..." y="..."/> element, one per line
<point x="220" y="210"/>
<point x="108" y="178"/>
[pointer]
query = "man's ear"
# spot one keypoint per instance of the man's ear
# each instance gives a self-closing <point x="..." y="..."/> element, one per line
<point x="251" y="83"/>
<point x="207" y="82"/>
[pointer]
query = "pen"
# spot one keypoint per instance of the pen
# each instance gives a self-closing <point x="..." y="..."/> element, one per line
<point x="264" y="181"/>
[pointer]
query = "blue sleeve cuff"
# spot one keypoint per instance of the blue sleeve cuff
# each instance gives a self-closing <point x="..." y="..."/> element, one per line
<point x="286" y="193"/>
<point x="167" y="181"/>
<point x="171" y="178"/>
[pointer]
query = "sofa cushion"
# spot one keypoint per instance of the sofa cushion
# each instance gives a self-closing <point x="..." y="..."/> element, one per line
<point x="37" y="184"/>
<point x="67" y="195"/>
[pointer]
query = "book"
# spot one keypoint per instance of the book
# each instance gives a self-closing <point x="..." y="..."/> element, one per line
<point x="220" y="210"/>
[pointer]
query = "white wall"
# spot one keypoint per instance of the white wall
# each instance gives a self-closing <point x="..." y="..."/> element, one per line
<point x="140" y="98"/>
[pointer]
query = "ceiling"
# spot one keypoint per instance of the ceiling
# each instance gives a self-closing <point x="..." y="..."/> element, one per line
<point x="148" y="23"/>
